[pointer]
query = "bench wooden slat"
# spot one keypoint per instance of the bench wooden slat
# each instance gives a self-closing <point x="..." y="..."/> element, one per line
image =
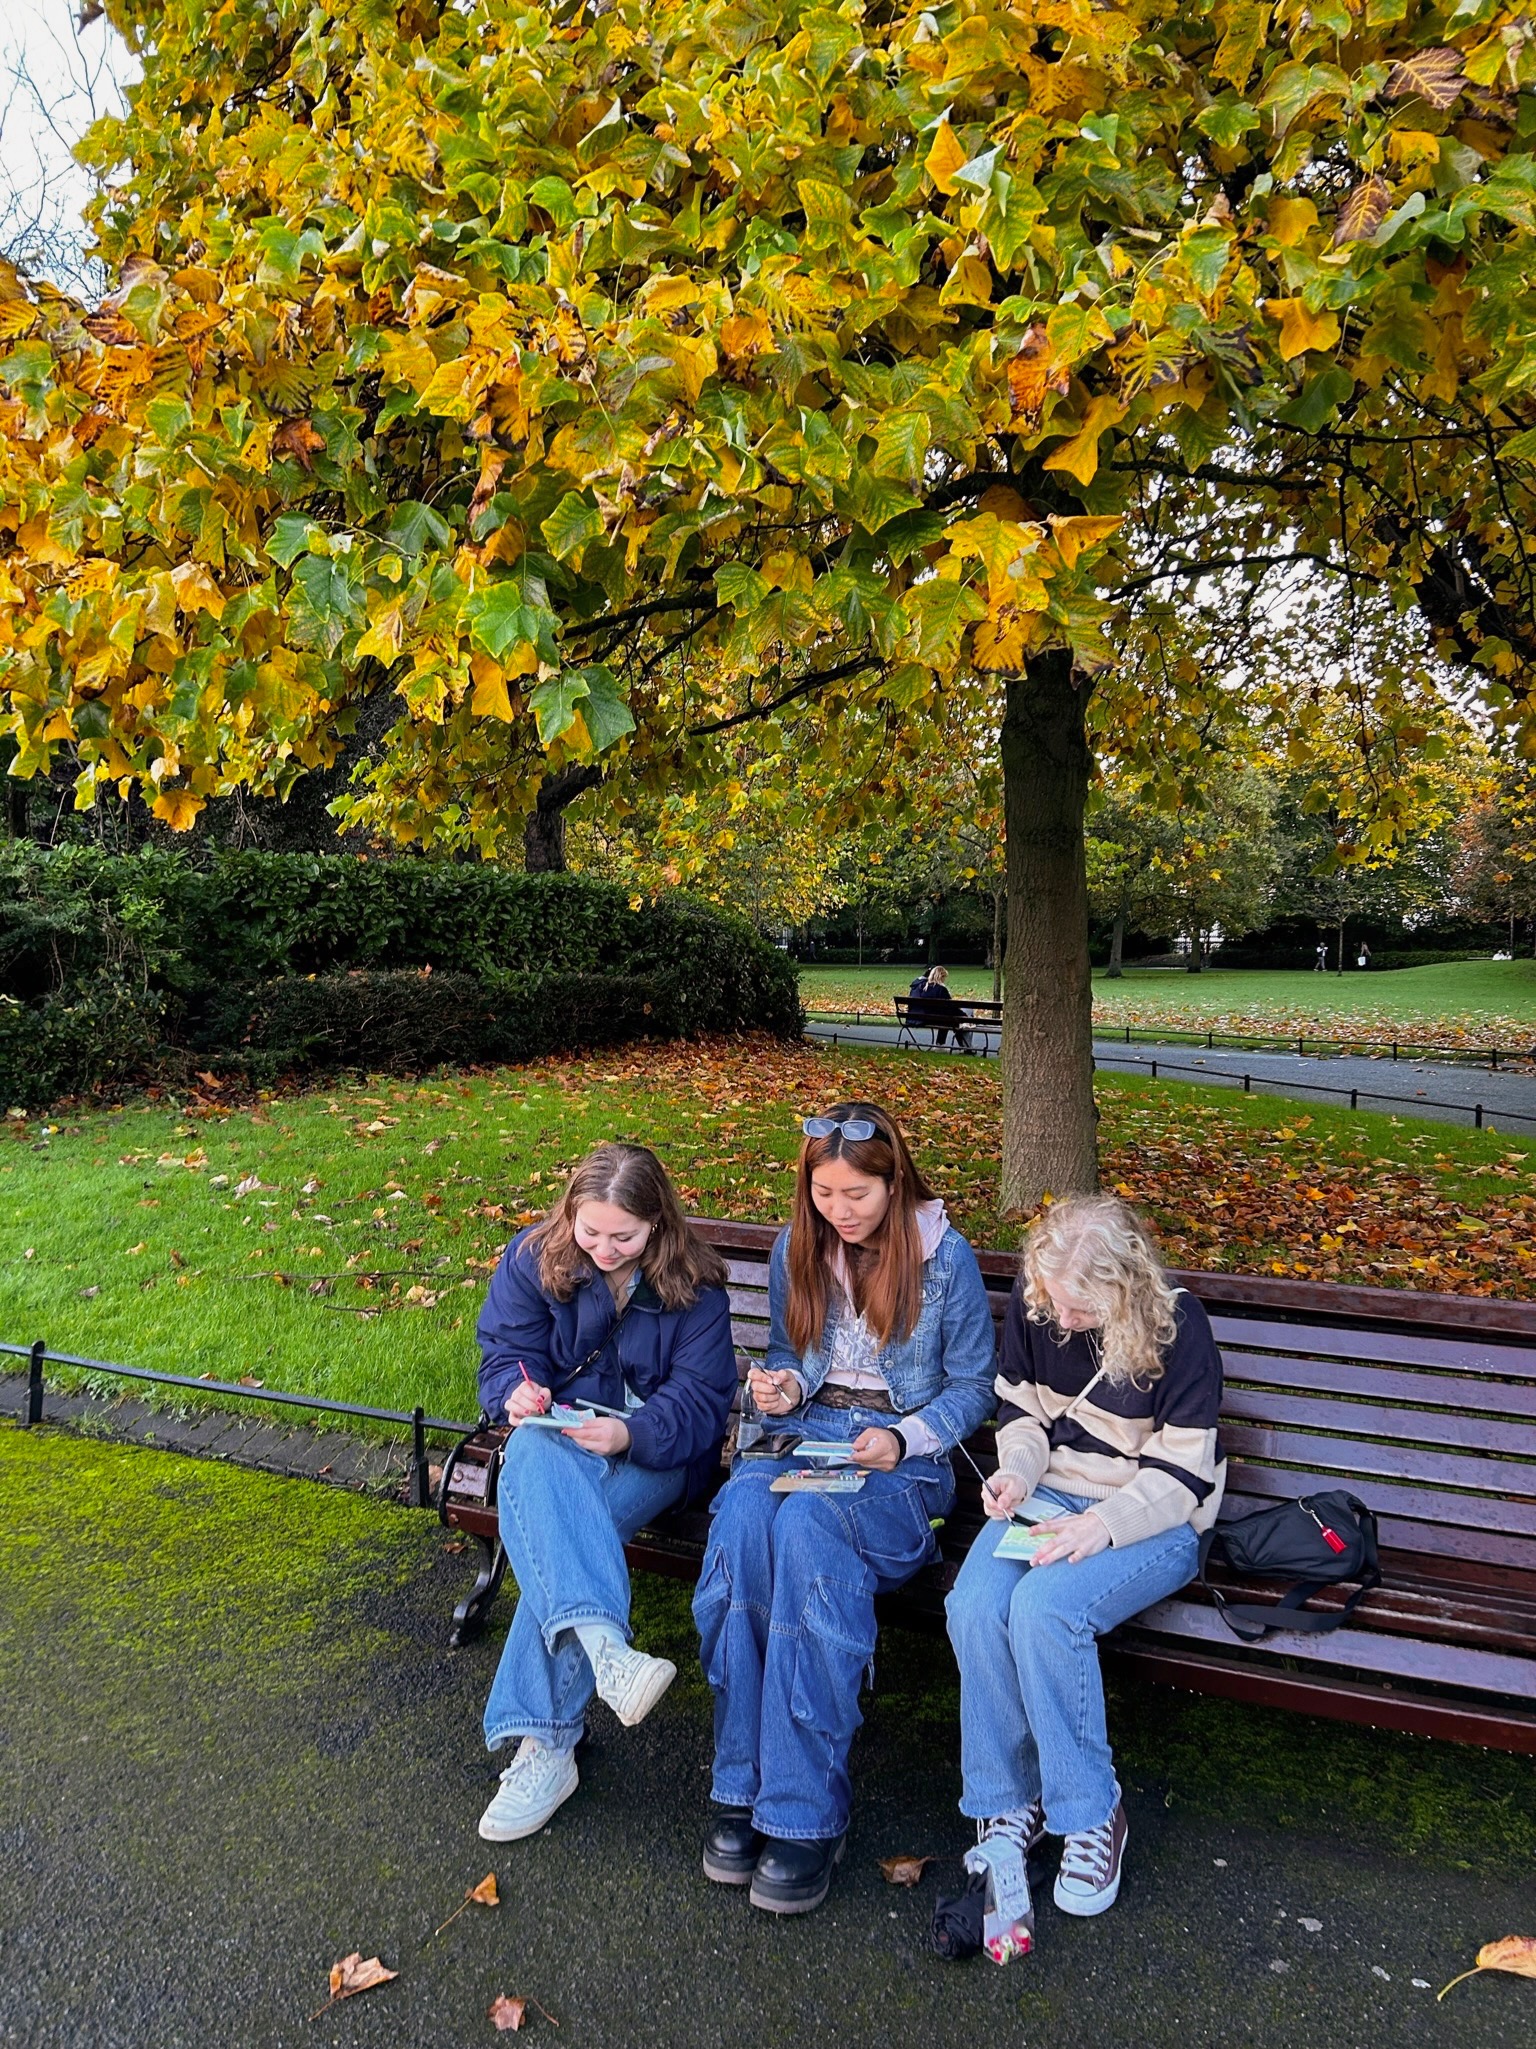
<point x="1360" y="1649"/>
<point x="1357" y="1455"/>
<point x="1371" y="1420"/>
<point x="1452" y="1355"/>
<point x="1412" y="1519"/>
<point x="1380" y="1383"/>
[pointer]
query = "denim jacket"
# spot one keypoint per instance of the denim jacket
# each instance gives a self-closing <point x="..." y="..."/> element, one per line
<point x="943" y="1373"/>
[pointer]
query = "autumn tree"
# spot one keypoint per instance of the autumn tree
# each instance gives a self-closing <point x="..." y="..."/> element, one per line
<point x="1494" y="865"/>
<point x="595" y="380"/>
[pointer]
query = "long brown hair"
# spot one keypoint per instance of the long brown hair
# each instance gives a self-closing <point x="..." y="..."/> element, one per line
<point x="888" y="1281"/>
<point x="676" y="1264"/>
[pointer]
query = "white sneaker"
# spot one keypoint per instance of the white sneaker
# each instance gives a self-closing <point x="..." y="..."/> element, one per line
<point x="532" y="1787"/>
<point x="630" y="1682"/>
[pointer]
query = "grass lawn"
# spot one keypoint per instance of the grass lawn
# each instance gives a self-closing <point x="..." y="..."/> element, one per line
<point x="1475" y="1001"/>
<point x="339" y="1243"/>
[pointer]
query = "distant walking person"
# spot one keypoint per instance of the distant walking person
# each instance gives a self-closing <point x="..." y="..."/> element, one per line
<point x="1320" y="965"/>
<point x="1363" y="958"/>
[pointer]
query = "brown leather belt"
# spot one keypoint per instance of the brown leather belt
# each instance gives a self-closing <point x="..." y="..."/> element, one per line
<point x="837" y="1397"/>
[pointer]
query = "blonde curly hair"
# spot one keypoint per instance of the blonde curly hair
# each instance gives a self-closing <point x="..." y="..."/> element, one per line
<point x="1098" y="1246"/>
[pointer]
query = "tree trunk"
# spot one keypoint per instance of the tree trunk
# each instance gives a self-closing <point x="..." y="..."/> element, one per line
<point x="1196" y="953"/>
<point x="1341" y="946"/>
<point x="999" y="902"/>
<point x="1050" y="1139"/>
<point x="1114" y="972"/>
<point x="544" y="832"/>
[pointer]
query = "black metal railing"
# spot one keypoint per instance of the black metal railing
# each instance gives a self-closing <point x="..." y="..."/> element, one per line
<point x="1214" y="1040"/>
<point x="420" y="1495"/>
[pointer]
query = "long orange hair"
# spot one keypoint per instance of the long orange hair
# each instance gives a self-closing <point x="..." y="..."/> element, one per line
<point x="887" y="1280"/>
<point x="677" y="1265"/>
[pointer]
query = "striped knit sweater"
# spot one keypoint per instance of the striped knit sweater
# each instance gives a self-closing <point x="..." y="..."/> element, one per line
<point x="1148" y="1458"/>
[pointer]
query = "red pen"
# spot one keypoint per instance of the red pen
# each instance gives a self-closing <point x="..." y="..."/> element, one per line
<point x="531" y="1381"/>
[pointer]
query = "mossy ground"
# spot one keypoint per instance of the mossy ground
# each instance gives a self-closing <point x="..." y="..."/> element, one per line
<point x="236" y="1749"/>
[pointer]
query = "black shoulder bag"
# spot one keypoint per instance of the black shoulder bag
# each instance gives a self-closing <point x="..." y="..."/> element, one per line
<point x="1318" y="1541"/>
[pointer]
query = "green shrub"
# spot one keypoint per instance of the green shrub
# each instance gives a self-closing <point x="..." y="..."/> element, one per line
<point x="73" y="1046"/>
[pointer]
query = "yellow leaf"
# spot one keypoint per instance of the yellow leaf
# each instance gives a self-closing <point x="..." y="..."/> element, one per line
<point x="945" y="157"/>
<point x="1072" y="536"/>
<point x="490" y="699"/>
<point x="666" y="294"/>
<point x="1290" y="220"/>
<point x="1080" y="456"/>
<point x="196" y="591"/>
<point x="746" y="334"/>
<point x="786" y="570"/>
<point x="177" y="808"/>
<point x="1301" y="330"/>
<point x="382" y="640"/>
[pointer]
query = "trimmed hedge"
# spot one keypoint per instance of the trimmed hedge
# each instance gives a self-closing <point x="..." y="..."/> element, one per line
<point x="276" y="964"/>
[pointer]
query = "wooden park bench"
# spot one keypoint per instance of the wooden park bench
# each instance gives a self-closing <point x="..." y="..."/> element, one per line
<point x="1422" y="1405"/>
<point x="977" y="1015"/>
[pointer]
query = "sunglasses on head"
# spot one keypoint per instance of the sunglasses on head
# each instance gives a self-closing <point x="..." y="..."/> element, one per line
<point x="852" y="1128"/>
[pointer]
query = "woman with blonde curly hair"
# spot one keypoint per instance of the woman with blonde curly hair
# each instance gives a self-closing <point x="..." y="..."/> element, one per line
<point x="1110" y="1382"/>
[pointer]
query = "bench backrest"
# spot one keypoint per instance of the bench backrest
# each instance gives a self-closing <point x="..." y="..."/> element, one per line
<point x="1423" y="1406"/>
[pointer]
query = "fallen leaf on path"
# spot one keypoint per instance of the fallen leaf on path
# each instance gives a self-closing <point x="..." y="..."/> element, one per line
<point x="509" y="2014"/>
<point x="903" y="1870"/>
<point x="1515" y="1953"/>
<point x="482" y="1895"/>
<point x="355" y="1973"/>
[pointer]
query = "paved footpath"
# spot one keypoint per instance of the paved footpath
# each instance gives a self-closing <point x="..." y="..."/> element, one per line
<point x="1442" y="1090"/>
<point x="236" y="1749"/>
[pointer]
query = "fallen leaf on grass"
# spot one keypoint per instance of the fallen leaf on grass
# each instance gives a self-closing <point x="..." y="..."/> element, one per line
<point x="509" y="2014"/>
<point x="248" y="1186"/>
<point x="482" y="1895"/>
<point x="355" y="1973"/>
<point x="250" y="1380"/>
<point x="903" y="1870"/>
<point x="85" y="1294"/>
<point x="1515" y="1953"/>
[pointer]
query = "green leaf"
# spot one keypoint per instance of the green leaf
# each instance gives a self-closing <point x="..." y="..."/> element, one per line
<point x="290" y="537"/>
<point x="571" y="525"/>
<point x="1227" y="121"/>
<point x="93" y="721"/>
<point x="1205" y="254"/>
<point x="501" y="619"/>
<point x="1510" y="193"/>
<point x="168" y="419"/>
<point x="604" y="710"/>
<point x="874" y="501"/>
<point x="416" y="527"/>
<point x="1319" y="399"/>
<point x="739" y="586"/>
<point x="556" y="703"/>
<point x="901" y="446"/>
<point x="324" y="602"/>
<point x="557" y="200"/>
<point x="940" y="609"/>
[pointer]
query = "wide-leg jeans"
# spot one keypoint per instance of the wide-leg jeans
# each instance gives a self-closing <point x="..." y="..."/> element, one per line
<point x="786" y="1614"/>
<point x="1032" y="1721"/>
<point x="566" y="1515"/>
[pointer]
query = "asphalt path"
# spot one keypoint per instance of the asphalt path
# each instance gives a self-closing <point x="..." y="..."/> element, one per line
<point x="209" y="1799"/>
<point x="1442" y="1090"/>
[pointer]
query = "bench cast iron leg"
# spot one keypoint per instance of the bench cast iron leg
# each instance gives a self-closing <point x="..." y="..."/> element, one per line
<point x="469" y="1618"/>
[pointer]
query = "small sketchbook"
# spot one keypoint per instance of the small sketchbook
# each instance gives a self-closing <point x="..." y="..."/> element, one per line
<point x="1020" y="1541"/>
<point x="566" y="1416"/>
<point x="809" y="1481"/>
<point x="824" y="1452"/>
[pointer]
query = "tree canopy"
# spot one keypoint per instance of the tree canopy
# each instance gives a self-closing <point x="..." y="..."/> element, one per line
<point x="600" y="378"/>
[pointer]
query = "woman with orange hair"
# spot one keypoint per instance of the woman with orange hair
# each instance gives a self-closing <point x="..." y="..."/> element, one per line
<point x="880" y="1342"/>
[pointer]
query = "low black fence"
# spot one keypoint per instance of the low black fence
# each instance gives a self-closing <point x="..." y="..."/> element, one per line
<point x="417" y="1420"/>
<point x="1214" y="1041"/>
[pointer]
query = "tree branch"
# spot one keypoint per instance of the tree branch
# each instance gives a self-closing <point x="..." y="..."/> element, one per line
<point x="807" y="683"/>
<point x="1216" y="562"/>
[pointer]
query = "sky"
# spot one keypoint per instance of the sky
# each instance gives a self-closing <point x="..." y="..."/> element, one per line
<point x="54" y="80"/>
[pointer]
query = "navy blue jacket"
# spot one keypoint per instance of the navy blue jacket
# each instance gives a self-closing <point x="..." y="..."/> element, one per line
<point x="680" y="1362"/>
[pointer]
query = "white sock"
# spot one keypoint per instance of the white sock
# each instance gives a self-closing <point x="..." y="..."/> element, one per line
<point x="595" y="1637"/>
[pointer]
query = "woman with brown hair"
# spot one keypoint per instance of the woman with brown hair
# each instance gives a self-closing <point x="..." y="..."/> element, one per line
<point x="613" y="1309"/>
<point x="880" y="1343"/>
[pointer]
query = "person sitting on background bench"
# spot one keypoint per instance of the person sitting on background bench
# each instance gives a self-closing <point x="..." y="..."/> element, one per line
<point x="1110" y="1382"/>
<point x="880" y="1339"/>
<point x="937" y="1007"/>
<point x="610" y="1301"/>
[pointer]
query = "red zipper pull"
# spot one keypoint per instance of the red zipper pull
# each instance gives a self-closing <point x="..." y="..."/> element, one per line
<point x="1331" y="1538"/>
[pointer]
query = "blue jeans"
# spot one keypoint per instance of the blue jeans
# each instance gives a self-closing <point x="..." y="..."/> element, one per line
<point x="786" y="1616"/>
<point x="1031" y="1696"/>
<point x="565" y="1515"/>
